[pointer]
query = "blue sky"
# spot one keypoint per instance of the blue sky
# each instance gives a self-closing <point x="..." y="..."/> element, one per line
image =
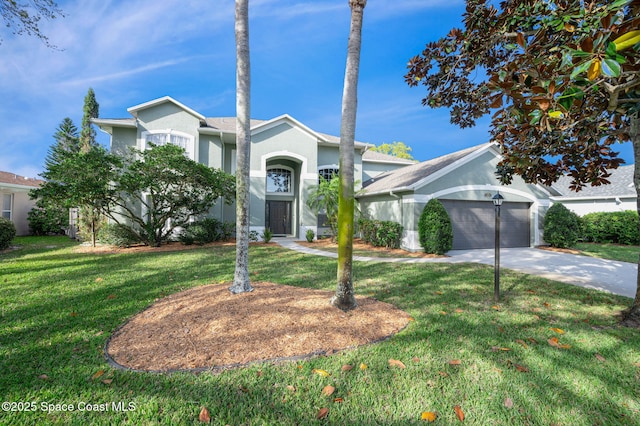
<point x="134" y="52"/>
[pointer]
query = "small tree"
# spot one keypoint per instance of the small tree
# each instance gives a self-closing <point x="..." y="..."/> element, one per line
<point x="561" y="227"/>
<point x="81" y="179"/>
<point x="171" y="188"/>
<point x="434" y="228"/>
<point x="324" y="197"/>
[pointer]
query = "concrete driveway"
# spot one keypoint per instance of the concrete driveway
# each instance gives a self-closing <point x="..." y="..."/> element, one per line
<point x="605" y="275"/>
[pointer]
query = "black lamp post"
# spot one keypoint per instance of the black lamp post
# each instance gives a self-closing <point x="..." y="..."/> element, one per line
<point x="497" y="202"/>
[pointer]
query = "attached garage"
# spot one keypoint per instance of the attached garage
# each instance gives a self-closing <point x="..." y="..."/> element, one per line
<point x="465" y="182"/>
<point x="473" y="224"/>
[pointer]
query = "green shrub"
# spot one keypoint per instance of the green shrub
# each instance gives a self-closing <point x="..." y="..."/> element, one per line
<point x="7" y="232"/>
<point x="381" y="233"/>
<point x="267" y="235"/>
<point x="562" y="227"/>
<point x="310" y="235"/>
<point x="254" y="237"/>
<point x="48" y="220"/>
<point x="205" y="231"/>
<point x="118" y="235"/>
<point x="435" y="232"/>
<point x="612" y="227"/>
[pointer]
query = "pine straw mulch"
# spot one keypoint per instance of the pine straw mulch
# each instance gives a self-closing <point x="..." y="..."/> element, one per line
<point x="208" y="328"/>
<point x="366" y="249"/>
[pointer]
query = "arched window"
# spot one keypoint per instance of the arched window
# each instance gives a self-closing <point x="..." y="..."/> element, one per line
<point x="279" y="180"/>
<point x="163" y="137"/>
<point x="327" y="172"/>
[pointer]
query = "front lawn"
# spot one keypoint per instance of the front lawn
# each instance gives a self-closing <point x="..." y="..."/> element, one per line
<point x="610" y="251"/>
<point x="548" y="353"/>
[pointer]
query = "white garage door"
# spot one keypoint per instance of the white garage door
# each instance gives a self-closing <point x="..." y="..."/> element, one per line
<point x="474" y="224"/>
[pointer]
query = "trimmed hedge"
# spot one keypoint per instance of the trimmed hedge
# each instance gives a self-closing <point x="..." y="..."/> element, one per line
<point x="434" y="228"/>
<point x="612" y="227"/>
<point x="562" y="227"/>
<point x="7" y="232"/>
<point x="381" y="233"/>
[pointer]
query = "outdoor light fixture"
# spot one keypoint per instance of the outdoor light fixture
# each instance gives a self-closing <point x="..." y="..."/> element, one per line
<point x="497" y="202"/>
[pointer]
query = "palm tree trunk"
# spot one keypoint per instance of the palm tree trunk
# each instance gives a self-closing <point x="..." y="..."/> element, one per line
<point x="241" y="281"/>
<point x="344" y="296"/>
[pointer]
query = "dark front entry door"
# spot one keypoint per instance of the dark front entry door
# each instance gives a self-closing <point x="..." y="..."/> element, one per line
<point x="279" y="217"/>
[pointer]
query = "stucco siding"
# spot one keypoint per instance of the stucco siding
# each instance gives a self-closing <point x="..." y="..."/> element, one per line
<point x="583" y="207"/>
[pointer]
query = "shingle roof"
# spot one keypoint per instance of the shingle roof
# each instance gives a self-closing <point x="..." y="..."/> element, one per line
<point x="14" y="179"/>
<point x="621" y="185"/>
<point x="227" y="124"/>
<point x="408" y="176"/>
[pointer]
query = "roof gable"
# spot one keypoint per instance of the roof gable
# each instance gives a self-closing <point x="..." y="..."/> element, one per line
<point x="134" y="110"/>
<point x="417" y="175"/>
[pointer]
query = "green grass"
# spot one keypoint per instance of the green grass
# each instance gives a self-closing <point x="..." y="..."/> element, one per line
<point x="58" y="307"/>
<point x="610" y="251"/>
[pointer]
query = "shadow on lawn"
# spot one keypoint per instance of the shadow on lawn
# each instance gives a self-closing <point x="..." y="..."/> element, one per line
<point x="61" y="330"/>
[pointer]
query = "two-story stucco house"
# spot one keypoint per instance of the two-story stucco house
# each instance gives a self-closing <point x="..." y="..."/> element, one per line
<point x="287" y="158"/>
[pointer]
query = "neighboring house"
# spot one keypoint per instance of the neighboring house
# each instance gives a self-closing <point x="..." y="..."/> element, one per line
<point x="287" y="158"/>
<point x="15" y="201"/>
<point x="464" y="181"/>
<point x="619" y="195"/>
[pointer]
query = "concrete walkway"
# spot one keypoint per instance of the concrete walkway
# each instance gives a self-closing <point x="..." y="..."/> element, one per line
<point x="605" y="275"/>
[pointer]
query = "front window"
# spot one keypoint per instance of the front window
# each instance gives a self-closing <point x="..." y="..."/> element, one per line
<point x="279" y="181"/>
<point x="164" y="137"/>
<point x="7" y="200"/>
<point x="327" y="173"/>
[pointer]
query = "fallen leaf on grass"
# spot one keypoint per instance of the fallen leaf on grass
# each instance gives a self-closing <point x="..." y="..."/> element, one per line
<point x="508" y="402"/>
<point x="443" y="374"/>
<point x="328" y="390"/>
<point x="557" y="330"/>
<point x="73" y="314"/>
<point x="338" y="400"/>
<point x="347" y="367"/>
<point x="363" y="366"/>
<point x="522" y="342"/>
<point x="291" y="388"/>
<point x="429" y="416"/>
<point x="111" y="296"/>
<point x="322" y="373"/>
<point x="495" y="307"/>
<point x="455" y="362"/>
<point x="556" y="344"/>
<point x="521" y="368"/>
<point x="600" y="357"/>
<point x="107" y="381"/>
<point x="415" y="359"/>
<point x="459" y="413"/>
<point x="98" y="373"/>
<point x="204" y="416"/>
<point x="99" y="280"/>
<point x="322" y="413"/>
<point x="498" y="349"/>
<point x="459" y="311"/>
<point x="396" y="363"/>
<point x="43" y="377"/>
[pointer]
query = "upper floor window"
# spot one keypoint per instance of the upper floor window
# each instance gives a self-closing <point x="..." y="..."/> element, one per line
<point x="327" y="172"/>
<point x="279" y="180"/>
<point x="163" y="137"/>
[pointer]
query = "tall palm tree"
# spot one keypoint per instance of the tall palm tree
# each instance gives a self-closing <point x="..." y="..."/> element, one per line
<point x="344" y="296"/>
<point x="241" y="281"/>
